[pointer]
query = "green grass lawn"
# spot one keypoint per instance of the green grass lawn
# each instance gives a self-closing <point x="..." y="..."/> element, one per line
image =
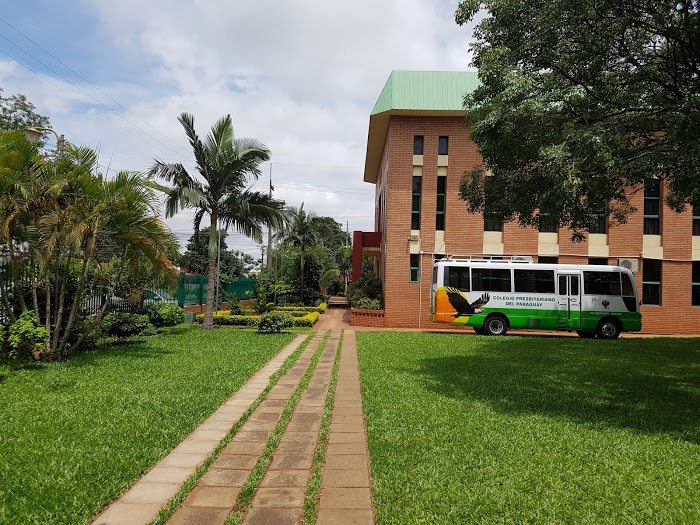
<point x="466" y="429"/>
<point x="74" y="435"/>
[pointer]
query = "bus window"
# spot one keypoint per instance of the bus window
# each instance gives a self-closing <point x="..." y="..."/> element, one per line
<point x="602" y="283"/>
<point x="627" y="288"/>
<point x="562" y="285"/>
<point x="491" y="280"/>
<point x="435" y="274"/>
<point x="534" y="281"/>
<point x="457" y="277"/>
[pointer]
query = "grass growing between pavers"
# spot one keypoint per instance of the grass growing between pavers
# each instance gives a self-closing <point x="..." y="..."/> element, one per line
<point x="76" y="434"/>
<point x="314" y="486"/>
<point x="245" y="497"/>
<point x="467" y="429"/>
<point x="166" y="513"/>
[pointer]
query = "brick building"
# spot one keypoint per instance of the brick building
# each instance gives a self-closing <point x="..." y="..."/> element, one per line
<point x="417" y="150"/>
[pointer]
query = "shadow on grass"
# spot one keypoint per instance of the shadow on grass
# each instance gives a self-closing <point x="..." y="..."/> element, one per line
<point x="649" y="386"/>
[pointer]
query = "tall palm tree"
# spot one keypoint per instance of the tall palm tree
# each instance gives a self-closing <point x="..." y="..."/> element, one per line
<point x="303" y="230"/>
<point x="227" y="165"/>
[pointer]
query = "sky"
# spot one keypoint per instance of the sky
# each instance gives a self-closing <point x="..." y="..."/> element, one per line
<point x="301" y="77"/>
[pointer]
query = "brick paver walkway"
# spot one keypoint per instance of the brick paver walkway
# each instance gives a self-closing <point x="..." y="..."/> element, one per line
<point x="141" y="503"/>
<point x="345" y="495"/>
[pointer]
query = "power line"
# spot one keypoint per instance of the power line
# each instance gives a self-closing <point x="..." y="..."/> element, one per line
<point x="88" y="94"/>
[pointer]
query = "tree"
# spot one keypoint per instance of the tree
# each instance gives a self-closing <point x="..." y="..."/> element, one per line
<point x="17" y="113"/>
<point x="579" y="103"/>
<point x="303" y="231"/>
<point x="226" y="164"/>
<point x="341" y="268"/>
<point x="53" y="217"/>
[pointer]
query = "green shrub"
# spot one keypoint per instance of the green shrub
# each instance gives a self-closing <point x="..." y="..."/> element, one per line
<point x="149" y="331"/>
<point x="262" y="308"/>
<point x="368" y="304"/>
<point x="124" y="325"/>
<point x="275" y="322"/>
<point x="164" y="314"/>
<point x="368" y="286"/>
<point x="225" y="319"/>
<point x="307" y="320"/>
<point x="321" y="308"/>
<point x="25" y="337"/>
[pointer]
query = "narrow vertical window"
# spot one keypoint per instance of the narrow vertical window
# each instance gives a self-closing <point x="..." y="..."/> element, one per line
<point x="696" y="219"/>
<point x="418" y="145"/>
<point x="442" y="145"/>
<point x="492" y="221"/>
<point x="441" y="198"/>
<point x="600" y="221"/>
<point x="696" y="283"/>
<point x="547" y="222"/>
<point x="652" y="207"/>
<point x="651" y="281"/>
<point x="415" y="203"/>
<point x="414" y="268"/>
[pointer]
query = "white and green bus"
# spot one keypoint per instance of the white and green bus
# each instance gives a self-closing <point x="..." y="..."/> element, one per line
<point x="493" y="295"/>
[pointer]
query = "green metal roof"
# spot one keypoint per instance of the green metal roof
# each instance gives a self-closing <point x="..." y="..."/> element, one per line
<point x="419" y="93"/>
<point x="426" y="90"/>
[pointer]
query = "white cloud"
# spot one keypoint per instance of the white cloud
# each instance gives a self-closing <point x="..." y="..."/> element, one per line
<point x="300" y="76"/>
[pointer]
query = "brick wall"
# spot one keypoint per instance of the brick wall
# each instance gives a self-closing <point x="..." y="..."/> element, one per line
<point x="407" y="304"/>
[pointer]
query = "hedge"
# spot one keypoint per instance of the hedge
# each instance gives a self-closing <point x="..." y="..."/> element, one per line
<point x="321" y="308"/>
<point x="224" y="318"/>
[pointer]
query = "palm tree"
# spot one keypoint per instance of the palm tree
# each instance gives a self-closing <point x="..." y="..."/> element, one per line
<point x="303" y="230"/>
<point x="227" y="166"/>
<point x="342" y="267"/>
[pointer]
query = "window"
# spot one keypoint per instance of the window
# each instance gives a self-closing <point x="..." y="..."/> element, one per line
<point x="441" y="198"/>
<point x="491" y="280"/>
<point x="651" y="281"/>
<point x="547" y="222"/>
<point x="442" y="146"/>
<point x="414" y="268"/>
<point x="545" y="259"/>
<point x="652" y="206"/>
<point x="601" y="261"/>
<point x="696" y="283"/>
<point x="696" y="219"/>
<point x="457" y="277"/>
<point x="601" y="283"/>
<point x="492" y="221"/>
<point x="534" y="281"/>
<point x="600" y="222"/>
<point x="415" y="203"/>
<point x="418" y="145"/>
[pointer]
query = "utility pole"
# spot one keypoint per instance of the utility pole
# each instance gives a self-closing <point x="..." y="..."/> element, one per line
<point x="269" y="228"/>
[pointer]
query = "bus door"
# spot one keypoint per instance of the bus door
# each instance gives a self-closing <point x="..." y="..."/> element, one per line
<point x="569" y="299"/>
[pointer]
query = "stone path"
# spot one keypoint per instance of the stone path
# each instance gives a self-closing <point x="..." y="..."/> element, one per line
<point x="141" y="503"/>
<point x="345" y="495"/>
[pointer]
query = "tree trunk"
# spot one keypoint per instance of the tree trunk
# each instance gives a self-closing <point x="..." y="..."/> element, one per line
<point x="35" y="297"/>
<point x="61" y="302"/>
<point x="5" y="301"/>
<point x="301" y="262"/>
<point x="89" y="247"/>
<point x="208" y="323"/>
<point x="16" y="283"/>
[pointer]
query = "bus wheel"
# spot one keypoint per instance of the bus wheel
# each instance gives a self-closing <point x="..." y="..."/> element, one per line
<point x="609" y="328"/>
<point x="478" y="331"/>
<point x="495" y="325"/>
<point x="585" y="335"/>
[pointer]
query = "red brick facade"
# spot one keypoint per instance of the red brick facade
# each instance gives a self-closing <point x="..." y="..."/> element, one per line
<point x="407" y="304"/>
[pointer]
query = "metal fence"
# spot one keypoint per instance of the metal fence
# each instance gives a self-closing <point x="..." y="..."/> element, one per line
<point x="190" y="290"/>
